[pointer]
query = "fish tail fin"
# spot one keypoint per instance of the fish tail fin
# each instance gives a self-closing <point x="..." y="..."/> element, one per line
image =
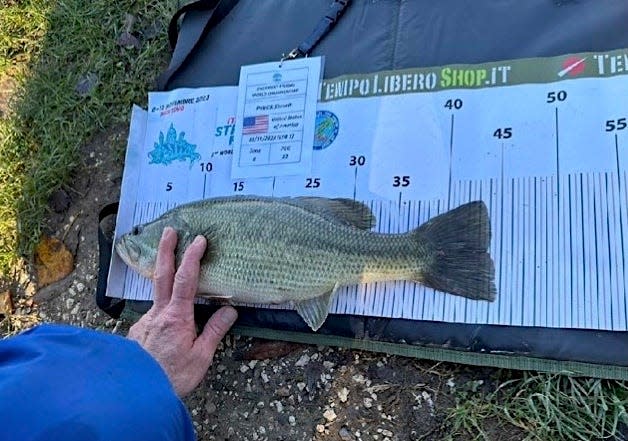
<point x="459" y="262"/>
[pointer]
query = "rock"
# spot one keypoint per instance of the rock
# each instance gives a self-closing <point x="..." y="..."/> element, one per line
<point x="128" y="40"/>
<point x="86" y="84"/>
<point x="283" y="392"/>
<point x="152" y="30"/>
<point x="304" y="360"/>
<point x="320" y="428"/>
<point x="69" y="302"/>
<point x="343" y="394"/>
<point x="385" y="373"/>
<point x="279" y="406"/>
<point x="6" y="303"/>
<point x="210" y="408"/>
<point x="330" y="415"/>
<point x="80" y="287"/>
<point x="8" y="86"/>
<point x="313" y="375"/>
<point x="53" y="261"/>
<point x="59" y="200"/>
<point x="345" y="434"/>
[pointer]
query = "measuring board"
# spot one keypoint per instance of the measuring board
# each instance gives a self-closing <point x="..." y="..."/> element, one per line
<point x="543" y="142"/>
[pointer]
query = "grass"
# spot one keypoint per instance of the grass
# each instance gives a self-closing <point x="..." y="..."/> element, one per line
<point x="48" y="48"/>
<point x="546" y="407"/>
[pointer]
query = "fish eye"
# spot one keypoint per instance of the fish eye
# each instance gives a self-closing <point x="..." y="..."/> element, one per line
<point x="136" y="230"/>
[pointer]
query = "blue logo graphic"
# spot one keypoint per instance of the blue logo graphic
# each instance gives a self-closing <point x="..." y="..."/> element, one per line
<point x="327" y="127"/>
<point x="173" y="149"/>
<point x="277" y="77"/>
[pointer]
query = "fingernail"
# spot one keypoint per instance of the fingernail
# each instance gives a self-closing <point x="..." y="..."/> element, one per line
<point x="198" y="240"/>
<point x="166" y="232"/>
<point x="228" y="316"/>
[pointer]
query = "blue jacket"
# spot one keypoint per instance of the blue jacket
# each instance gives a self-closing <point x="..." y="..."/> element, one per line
<point x="67" y="383"/>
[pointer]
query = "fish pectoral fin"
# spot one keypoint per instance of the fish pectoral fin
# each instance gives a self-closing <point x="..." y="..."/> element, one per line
<point x="314" y="311"/>
<point x="185" y="239"/>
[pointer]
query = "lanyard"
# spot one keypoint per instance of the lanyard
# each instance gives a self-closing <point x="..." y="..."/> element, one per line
<point x="322" y="28"/>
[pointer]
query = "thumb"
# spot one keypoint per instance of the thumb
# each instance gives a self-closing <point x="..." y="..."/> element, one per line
<point x="215" y="329"/>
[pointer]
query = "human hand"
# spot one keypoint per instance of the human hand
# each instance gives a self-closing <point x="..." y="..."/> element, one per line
<point x="167" y="331"/>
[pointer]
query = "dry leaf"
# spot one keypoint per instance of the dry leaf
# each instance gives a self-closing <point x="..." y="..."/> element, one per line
<point x="6" y="303"/>
<point x="263" y="349"/>
<point x="53" y="261"/>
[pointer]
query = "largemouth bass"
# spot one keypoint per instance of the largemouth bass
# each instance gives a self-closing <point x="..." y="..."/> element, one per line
<point x="301" y="250"/>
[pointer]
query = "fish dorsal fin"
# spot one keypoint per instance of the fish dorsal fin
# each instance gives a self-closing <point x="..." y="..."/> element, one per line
<point x="314" y="311"/>
<point x="339" y="210"/>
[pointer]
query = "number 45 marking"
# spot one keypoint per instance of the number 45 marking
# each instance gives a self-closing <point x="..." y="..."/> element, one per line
<point x="503" y="133"/>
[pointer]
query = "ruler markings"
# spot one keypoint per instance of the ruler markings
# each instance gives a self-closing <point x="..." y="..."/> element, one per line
<point x="512" y="275"/>
<point x="625" y="205"/>
<point x="602" y="245"/>
<point x="420" y="290"/>
<point x="535" y="251"/>
<point x="523" y="215"/>
<point x="493" y="246"/>
<point x="619" y="252"/>
<point x="527" y="301"/>
<point x="500" y="255"/>
<point x="609" y="250"/>
<point x="570" y="244"/>
<point x="622" y="243"/>
<point x="552" y="253"/>
<point x="615" y="264"/>
<point x="582" y="256"/>
<point x="591" y="302"/>
<point x="544" y="252"/>
<point x="406" y="311"/>
<point x="451" y="156"/>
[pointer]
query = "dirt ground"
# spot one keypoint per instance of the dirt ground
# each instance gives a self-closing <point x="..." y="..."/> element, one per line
<point x="260" y="390"/>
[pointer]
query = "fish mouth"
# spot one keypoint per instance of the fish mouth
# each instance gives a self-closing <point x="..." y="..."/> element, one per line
<point x="130" y="253"/>
<point x="122" y="248"/>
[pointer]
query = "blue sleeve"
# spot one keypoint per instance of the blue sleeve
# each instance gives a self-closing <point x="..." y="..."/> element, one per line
<point x="66" y="383"/>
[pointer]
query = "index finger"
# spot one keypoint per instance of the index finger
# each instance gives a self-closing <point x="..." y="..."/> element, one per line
<point x="186" y="279"/>
<point x="164" y="268"/>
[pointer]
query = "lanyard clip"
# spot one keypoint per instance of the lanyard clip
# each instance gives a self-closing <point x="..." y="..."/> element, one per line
<point x="294" y="53"/>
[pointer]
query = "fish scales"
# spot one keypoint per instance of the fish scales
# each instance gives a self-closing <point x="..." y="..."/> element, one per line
<point x="300" y="250"/>
<point x="256" y="257"/>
